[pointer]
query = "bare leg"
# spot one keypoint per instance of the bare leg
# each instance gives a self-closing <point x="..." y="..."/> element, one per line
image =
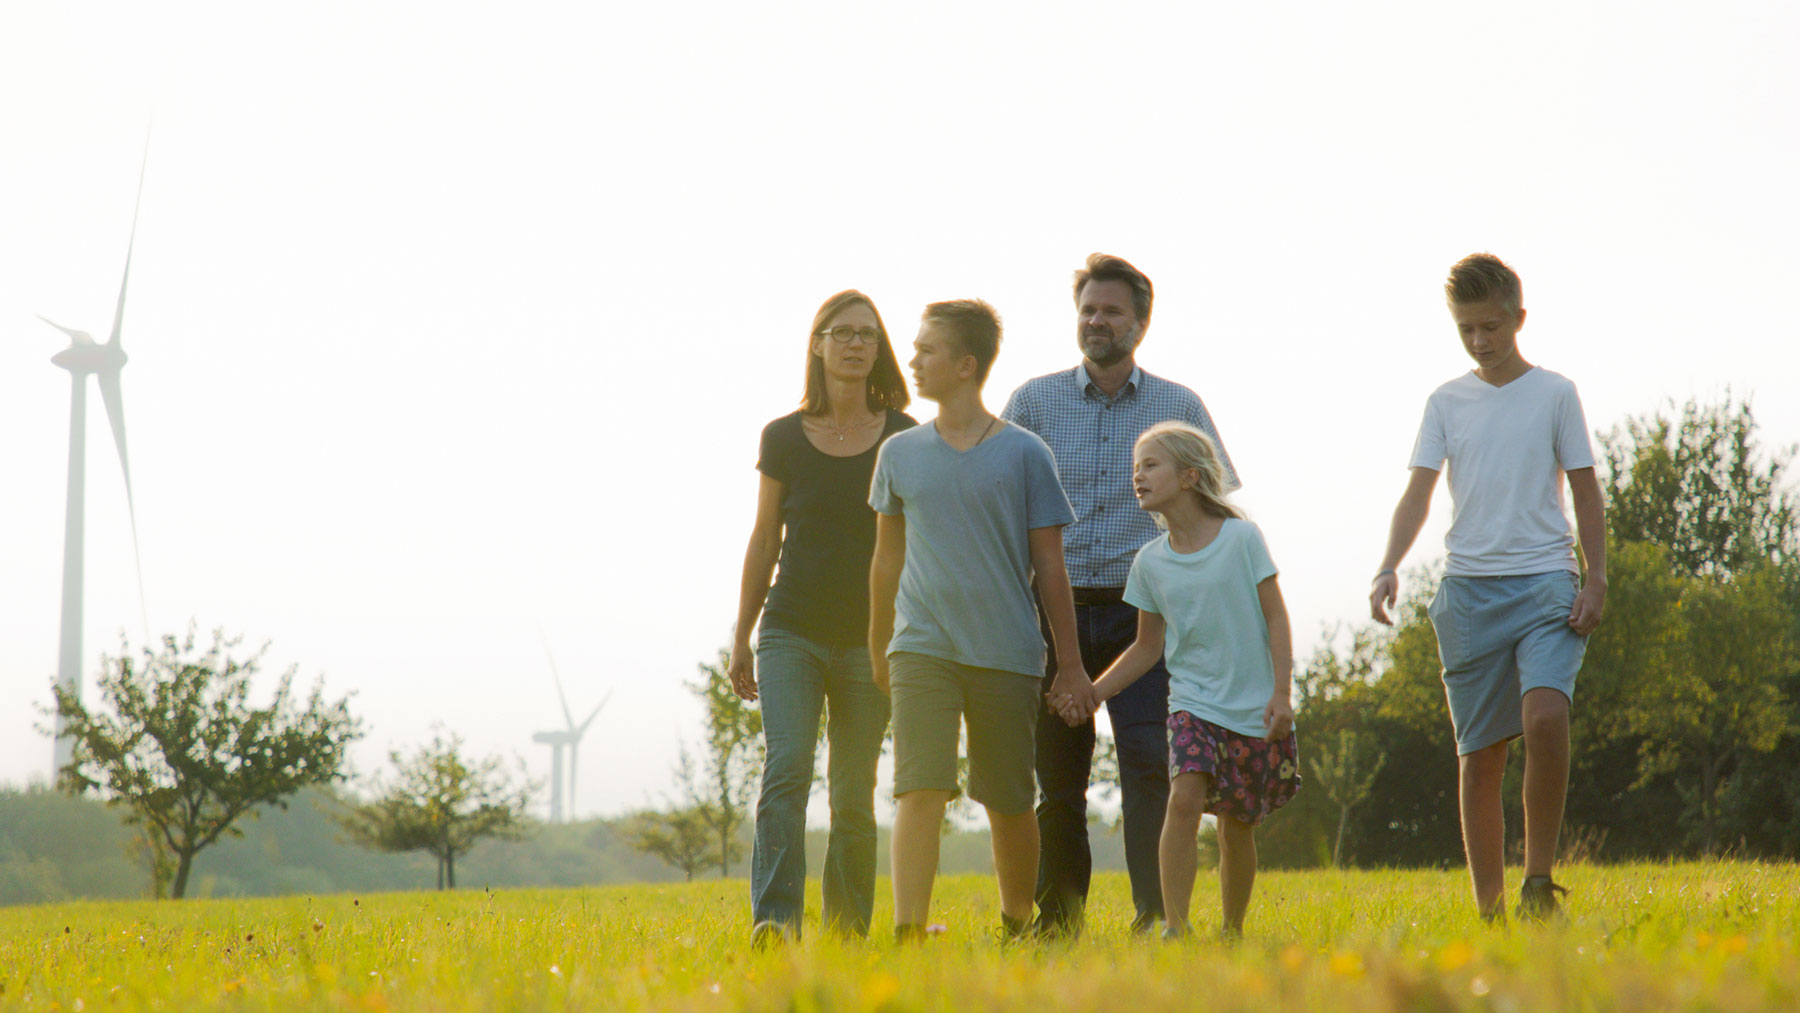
<point x="1237" y="870"/>
<point x="918" y="818"/>
<point x="1179" y="846"/>
<point x="1483" y="825"/>
<point x="1546" y="776"/>
<point x="1015" y="838"/>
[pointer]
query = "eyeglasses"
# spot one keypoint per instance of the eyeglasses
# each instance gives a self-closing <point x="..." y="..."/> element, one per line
<point x="843" y="334"/>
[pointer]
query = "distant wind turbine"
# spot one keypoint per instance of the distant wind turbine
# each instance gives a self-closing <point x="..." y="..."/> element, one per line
<point x="85" y="357"/>
<point x="562" y="806"/>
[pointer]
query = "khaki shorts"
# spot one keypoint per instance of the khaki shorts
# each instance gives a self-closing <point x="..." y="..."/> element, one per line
<point x="932" y="697"/>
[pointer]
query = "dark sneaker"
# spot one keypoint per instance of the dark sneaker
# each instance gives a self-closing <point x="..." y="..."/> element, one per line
<point x="907" y="934"/>
<point x="1144" y="924"/>
<point x="768" y="935"/>
<point x="1013" y="930"/>
<point x="1057" y="929"/>
<point x="1537" y="899"/>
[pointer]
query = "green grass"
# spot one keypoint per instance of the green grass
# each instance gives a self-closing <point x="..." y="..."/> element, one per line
<point x="1715" y="936"/>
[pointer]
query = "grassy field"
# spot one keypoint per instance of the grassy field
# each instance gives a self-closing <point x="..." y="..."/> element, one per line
<point x="1713" y="936"/>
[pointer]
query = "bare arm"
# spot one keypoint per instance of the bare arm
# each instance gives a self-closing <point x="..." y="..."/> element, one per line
<point x="1278" y="716"/>
<point x="1409" y="517"/>
<point x="1130" y="666"/>
<point x="753" y="589"/>
<point x="1053" y="590"/>
<point x="1590" y="528"/>
<point x="884" y="584"/>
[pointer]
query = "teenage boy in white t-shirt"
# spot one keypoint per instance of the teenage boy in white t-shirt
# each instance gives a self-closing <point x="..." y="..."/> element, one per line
<point x="1512" y="614"/>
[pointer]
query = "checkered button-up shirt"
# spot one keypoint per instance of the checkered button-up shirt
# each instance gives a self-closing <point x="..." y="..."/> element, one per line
<point x="1092" y="438"/>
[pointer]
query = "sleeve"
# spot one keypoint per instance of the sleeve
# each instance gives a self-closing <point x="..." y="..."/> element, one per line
<point x="1140" y="589"/>
<point x="1019" y="406"/>
<point x="1431" y="446"/>
<point x="1046" y="505"/>
<point x="1256" y="549"/>
<point x="1573" y="450"/>
<point x="770" y="459"/>
<point x="881" y="485"/>
<point x="1198" y="416"/>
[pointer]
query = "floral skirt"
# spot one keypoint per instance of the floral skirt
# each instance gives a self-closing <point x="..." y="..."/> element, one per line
<point x="1251" y="777"/>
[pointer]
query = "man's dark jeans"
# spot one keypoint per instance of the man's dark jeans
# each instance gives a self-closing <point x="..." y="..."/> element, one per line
<point x="1064" y="758"/>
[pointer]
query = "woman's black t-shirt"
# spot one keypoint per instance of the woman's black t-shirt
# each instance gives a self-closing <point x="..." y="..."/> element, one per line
<point x="821" y="590"/>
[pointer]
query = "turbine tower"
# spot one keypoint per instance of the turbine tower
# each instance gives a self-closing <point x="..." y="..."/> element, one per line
<point x="562" y="805"/>
<point x="83" y="358"/>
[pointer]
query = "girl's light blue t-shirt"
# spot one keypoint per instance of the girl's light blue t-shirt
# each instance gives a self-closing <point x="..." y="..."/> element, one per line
<point x="1216" y="639"/>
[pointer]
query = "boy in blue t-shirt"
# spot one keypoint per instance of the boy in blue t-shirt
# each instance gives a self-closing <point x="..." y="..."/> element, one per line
<point x="1513" y="613"/>
<point x="968" y="508"/>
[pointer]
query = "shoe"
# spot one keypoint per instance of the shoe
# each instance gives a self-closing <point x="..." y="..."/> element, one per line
<point x="909" y="933"/>
<point x="1144" y="923"/>
<point x="1013" y="930"/>
<point x="1537" y="899"/>
<point x="768" y="935"/>
<point x="1065" y="930"/>
<point x="1171" y="934"/>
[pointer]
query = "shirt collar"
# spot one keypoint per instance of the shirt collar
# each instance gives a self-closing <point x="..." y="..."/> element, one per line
<point x="1083" y="381"/>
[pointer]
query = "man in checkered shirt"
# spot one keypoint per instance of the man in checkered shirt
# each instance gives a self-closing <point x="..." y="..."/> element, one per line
<point x="1091" y="416"/>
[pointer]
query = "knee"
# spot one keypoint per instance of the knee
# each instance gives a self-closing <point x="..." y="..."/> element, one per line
<point x="787" y="775"/>
<point x="1187" y="799"/>
<point x="1144" y="755"/>
<point x="1483" y="768"/>
<point x="1546" y="714"/>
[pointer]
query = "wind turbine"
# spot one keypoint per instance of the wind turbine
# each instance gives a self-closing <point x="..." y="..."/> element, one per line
<point x="569" y="737"/>
<point x="83" y="358"/>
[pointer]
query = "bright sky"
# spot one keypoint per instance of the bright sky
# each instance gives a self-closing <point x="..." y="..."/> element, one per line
<point x="449" y="324"/>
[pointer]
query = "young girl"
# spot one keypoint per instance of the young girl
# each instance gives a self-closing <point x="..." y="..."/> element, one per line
<point x="1206" y="595"/>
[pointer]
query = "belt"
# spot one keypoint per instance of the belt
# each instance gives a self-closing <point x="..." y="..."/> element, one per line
<point x="1099" y="595"/>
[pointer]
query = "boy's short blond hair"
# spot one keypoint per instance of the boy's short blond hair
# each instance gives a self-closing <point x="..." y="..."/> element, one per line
<point x="1481" y="277"/>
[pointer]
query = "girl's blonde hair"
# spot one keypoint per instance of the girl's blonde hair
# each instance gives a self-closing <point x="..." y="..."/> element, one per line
<point x="1191" y="449"/>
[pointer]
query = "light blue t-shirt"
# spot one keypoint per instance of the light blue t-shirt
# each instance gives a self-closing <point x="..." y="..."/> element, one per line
<point x="1216" y="639"/>
<point x="965" y="594"/>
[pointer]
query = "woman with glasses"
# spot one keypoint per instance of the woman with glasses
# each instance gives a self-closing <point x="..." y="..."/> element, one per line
<point x="813" y="517"/>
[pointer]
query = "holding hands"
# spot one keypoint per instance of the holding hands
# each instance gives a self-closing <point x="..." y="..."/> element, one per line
<point x="1072" y="697"/>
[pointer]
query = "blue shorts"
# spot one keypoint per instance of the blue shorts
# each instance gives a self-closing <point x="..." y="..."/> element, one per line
<point x="1498" y="638"/>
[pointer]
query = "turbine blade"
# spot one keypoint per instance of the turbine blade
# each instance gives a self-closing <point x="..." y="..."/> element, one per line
<point x="119" y="312"/>
<point x="568" y="716"/>
<point x="115" y="414"/>
<point x="579" y="732"/>
<point x="74" y="335"/>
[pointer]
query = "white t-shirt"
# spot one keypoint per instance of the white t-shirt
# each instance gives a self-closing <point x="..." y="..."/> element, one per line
<point x="1508" y="448"/>
<point x="1215" y="639"/>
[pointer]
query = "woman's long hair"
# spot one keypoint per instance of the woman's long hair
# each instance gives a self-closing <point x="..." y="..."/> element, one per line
<point x="886" y="388"/>
<point x="1189" y="448"/>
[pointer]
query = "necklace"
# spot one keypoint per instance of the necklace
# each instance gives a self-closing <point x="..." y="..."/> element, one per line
<point x="842" y="431"/>
<point x="984" y="432"/>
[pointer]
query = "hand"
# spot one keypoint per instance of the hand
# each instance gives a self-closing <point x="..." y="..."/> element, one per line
<point x="1072" y="696"/>
<point x="1278" y="718"/>
<point x="1584" y="618"/>
<point x="1381" y="597"/>
<point x="879" y="667"/>
<point x="742" y="672"/>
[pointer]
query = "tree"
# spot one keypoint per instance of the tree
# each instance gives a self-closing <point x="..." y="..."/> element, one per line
<point x="1726" y="527"/>
<point x="734" y="759"/>
<point x="1346" y="772"/>
<point x="441" y="803"/>
<point x="1698" y="487"/>
<point x="184" y="754"/>
<point x="683" y="835"/>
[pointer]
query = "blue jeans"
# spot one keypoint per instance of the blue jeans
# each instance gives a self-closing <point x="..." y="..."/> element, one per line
<point x="796" y="677"/>
<point x="1065" y="758"/>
